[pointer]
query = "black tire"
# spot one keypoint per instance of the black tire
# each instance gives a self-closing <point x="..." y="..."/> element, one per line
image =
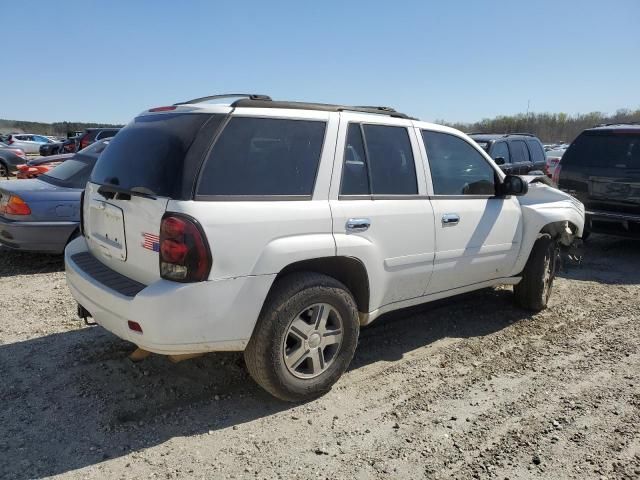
<point x="265" y="352"/>
<point x="534" y="289"/>
<point x="4" y="170"/>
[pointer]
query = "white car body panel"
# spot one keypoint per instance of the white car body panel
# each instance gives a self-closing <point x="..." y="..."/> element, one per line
<point x="410" y="256"/>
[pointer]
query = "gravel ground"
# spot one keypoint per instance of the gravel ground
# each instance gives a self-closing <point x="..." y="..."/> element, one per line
<point x="470" y="388"/>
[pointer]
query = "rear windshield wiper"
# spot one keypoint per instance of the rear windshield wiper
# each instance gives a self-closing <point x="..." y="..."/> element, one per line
<point x="110" y="191"/>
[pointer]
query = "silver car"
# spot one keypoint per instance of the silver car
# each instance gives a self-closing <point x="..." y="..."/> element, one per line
<point x="27" y="142"/>
<point x="43" y="214"/>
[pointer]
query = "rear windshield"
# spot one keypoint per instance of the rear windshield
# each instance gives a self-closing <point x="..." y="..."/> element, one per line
<point x="608" y="149"/>
<point x="72" y="173"/>
<point x="149" y="153"/>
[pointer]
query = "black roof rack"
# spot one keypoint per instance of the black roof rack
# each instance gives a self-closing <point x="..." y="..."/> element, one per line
<point x="325" y="107"/>
<point x="252" y="96"/>
<point x="615" y="123"/>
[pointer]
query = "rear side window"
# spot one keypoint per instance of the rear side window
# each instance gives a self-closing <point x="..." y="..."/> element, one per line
<point x="264" y="157"/>
<point x="378" y="160"/>
<point x="605" y="150"/>
<point x="536" y="150"/>
<point x="456" y="167"/>
<point x="149" y="153"/>
<point x="519" y="152"/>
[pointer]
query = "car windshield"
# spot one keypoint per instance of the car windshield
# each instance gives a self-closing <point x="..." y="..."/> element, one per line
<point x="605" y="149"/>
<point x="73" y="173"/>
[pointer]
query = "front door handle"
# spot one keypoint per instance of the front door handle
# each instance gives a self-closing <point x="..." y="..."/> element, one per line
<point x="450" y="219"/>
<point x="358" y="224"/>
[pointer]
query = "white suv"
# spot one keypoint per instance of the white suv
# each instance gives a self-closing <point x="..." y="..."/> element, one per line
<point x="281" y="228"/>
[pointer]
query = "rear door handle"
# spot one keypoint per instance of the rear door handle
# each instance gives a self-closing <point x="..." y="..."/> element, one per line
<point x="358" y="224"/>
<point x="450" y="219"/>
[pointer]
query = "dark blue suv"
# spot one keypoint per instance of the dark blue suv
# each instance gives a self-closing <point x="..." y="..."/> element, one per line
<point x="516" y="153"/>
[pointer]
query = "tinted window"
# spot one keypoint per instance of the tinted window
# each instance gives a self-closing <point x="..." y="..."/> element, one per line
<point x="500" y="149"/>
<point x="355" y="179"/>
<point x="390" y="160"/>
<point x="536" y="150"/>
<point x="483" y="145"/>
<point x="150" y="152"/>
<point x="519" y="152"/>
<point x="106" y="134"/>
<point x="96" y="148"/>
<point x="72" y="173"/>
<point x="605" y="150"/>
<point x="264" y="156"/>
<point x="456" y="167"/>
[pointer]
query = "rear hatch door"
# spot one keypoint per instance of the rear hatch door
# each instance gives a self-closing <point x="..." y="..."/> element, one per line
<point x="148" y="162"/>
<point x="602" y="169"/>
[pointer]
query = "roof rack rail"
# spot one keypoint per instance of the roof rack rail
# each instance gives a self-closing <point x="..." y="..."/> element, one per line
<point x="251" y="96"/>
<point x="517" y="133"/>
<point x="615" y="123"/>
<point x="262" y="103"/>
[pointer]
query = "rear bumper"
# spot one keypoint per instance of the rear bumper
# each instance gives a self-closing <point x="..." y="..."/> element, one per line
<point x="613" y="223"/>
<point x="49" y="237"/>
<point x="176" y="318"/>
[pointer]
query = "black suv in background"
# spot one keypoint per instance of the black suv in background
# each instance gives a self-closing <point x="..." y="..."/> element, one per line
<point x="77" y="143"/>
<point x="601" y="168"/>
<point x="516" y="153"/>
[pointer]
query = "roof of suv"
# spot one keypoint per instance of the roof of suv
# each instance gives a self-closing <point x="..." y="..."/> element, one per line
<point x="264" y="101"/>
<point x="488" y="137"/>
<point x="616" y="126"/>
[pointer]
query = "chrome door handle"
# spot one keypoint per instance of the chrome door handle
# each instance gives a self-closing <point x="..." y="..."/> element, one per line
<point x="358" y="224"/>
<point x="450" y="219"/>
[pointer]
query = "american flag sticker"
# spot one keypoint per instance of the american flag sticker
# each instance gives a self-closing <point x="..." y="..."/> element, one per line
<point x="150" y="242"/>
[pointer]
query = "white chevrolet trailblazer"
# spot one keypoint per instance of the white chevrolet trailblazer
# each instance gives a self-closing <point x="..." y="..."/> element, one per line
<point x="280" y="228"/>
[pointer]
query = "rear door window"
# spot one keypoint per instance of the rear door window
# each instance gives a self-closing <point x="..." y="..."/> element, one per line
<point x="519" y="151"/>
<point x="536" y="151"/>
<point x="150" y="152"/>
<point x="263" y="157"/>
<point x="378" y="161"/>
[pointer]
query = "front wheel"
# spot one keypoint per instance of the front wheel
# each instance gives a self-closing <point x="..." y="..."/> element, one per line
<point x="534" y="289"/>
<point x="305" y="337"/>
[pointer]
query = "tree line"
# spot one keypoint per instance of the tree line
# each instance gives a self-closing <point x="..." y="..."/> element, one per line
<point x="56" y="128"/>
<point x="548" y="127"/>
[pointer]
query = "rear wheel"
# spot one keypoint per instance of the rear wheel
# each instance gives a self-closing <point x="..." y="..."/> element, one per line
<point x="305" y="337"/>
<point x="4" y="170"/>
<point x="534" y="290"/>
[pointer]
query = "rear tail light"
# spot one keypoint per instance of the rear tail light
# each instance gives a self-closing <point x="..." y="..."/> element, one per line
<point x="14" y="205"/>
<point x="184" y="252"/>
<point x="556" y="173"/>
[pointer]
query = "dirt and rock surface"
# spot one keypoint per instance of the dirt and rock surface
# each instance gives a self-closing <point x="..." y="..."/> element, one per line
<point x="469" y="388"/>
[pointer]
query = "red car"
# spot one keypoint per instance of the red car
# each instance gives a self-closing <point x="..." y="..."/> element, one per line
<point x="41" y="165"/>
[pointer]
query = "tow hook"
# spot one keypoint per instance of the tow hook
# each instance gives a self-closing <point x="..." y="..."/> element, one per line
<point x="84" y="314"/>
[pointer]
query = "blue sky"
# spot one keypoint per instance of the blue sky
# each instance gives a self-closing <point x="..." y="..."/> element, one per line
<point x="453" y="60"/>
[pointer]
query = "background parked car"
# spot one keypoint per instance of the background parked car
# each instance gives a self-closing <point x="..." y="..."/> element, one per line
<point x="41" y="165"/>
<point x="27" y="142"/>
<point x="516" y="153"/>
<point x="553" y="158"/>
<point x="52" y="148"/>
<point x="43" y="214"/>
<point x="91" y="135"/>
<point x="37" y="166"/>
<point x="601" y="168"/>
<point x="10" y="158"/>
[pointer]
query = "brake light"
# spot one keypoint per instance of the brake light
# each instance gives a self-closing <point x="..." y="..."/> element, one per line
<point x="163" y="109"/>
<point x="184" y="252"/>
<point x="556" y="173"/>
<point x="14" y="205"/>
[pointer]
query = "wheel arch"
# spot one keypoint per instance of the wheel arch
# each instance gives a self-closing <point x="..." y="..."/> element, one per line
<point x="350" y="271"/>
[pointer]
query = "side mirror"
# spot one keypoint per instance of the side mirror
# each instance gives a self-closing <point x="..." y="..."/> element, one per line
<point x="499" y="160"/>
<point x="513" y="185"/>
